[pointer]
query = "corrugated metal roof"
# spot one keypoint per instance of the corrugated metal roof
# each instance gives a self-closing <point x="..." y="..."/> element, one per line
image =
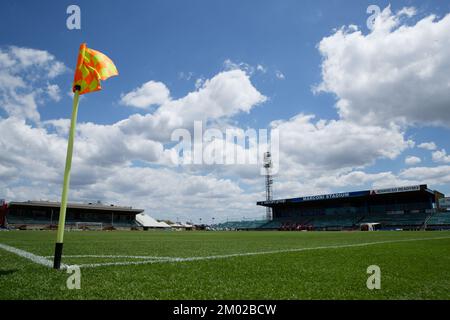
<point x="90" y="206"/>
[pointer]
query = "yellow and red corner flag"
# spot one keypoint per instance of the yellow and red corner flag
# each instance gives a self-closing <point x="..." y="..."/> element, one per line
<point x="92" y="66"/>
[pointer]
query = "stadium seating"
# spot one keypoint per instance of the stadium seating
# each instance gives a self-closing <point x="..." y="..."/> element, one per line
<point x="394" y="220"/>
<point x="440" y="219"/>
<point x="25" y="220"/>
<point x="334" y="221"/>
<point x="272" y="225"/>
<point x="241" y="225"/>
<point x="342" y="221"/>
<point x="15" y="220"/>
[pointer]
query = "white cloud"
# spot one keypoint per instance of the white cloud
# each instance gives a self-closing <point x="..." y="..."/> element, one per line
<point x="54" y="92"/>
<point x="359" y="178"/>
<point x="428" y="146"/>
<point x="412" y="160"/>
<point x="9" y="81"/>
<point x="128" y="162"/>
<point x="32" y="158"/>
<point x="261" y="68"/>
<point x="407" y="11"/>
<point x="21" y="105"/>
<point x="199" y="83"/>
<point x="31" y="153"/>
<point x="24" y="76"/>
<point x="102" y="170"/>
<point x="150" y="93"/>
<point x="185" y="75"/>
<point x="279" y="75"/>
<point x="439" y="175"/>
<point x="337" y="144"/>
<point x="56" y="68"/>
<point x="397" y="73"/>
<point x="225" y="95"/>
<point x="440" y="156"/>
<point x="232" y="65"/>
<point x="107" y="145"/>
<point x="27" y="57"/>
<point x="61" y="126"/>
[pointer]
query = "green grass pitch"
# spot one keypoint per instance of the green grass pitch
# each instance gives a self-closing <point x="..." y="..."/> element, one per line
<point x="333" y="266"/>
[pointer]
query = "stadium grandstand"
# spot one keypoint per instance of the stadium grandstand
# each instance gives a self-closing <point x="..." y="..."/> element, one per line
<point x="45" y="214"/>
<point x="400" y="208"/>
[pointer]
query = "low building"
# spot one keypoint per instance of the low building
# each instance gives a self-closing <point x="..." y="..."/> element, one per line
<point x="45" y="213"/>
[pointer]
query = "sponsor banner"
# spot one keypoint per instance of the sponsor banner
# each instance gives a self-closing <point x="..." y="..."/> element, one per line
<point x="263" y="203"/>
<point x="396" y="190"/>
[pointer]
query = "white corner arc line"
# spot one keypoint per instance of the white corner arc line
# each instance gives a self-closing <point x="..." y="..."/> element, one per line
<point x="234" y="255"/>
<point x="30" y="256"/>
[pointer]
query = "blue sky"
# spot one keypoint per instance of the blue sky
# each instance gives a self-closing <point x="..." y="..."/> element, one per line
<point x="176" y="43"/>
<point x="159" y="39"/>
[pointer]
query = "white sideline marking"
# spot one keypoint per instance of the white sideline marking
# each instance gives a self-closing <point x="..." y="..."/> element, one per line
<point x="225" y="256"/>
<point x="112" y="256"/>
<point x="30" y="256"/>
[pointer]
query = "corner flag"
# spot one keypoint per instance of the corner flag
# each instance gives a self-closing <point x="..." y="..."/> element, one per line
<point x="92" y="66"/>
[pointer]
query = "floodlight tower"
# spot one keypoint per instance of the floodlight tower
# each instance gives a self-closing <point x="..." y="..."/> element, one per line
<point x="269" y="182"/>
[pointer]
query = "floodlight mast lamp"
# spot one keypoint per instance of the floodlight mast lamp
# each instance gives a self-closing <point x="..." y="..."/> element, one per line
<point x="269" y="181"/>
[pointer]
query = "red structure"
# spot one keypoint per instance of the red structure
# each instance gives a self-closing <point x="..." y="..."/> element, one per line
<point x="3" y="213"/>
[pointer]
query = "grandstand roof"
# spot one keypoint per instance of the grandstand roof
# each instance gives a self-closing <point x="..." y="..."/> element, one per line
<point x="98" y="207"/>
<point x="421" y="189"/>
<point x="146" y="221"/>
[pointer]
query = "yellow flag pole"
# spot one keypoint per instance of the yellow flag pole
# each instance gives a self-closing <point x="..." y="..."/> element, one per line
<point x="62" y="211"/>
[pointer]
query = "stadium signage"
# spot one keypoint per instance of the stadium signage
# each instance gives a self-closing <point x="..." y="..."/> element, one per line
<point x="327" y="196"/>
<point x="316" y="198"/>
<point x="396" y="190"/>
